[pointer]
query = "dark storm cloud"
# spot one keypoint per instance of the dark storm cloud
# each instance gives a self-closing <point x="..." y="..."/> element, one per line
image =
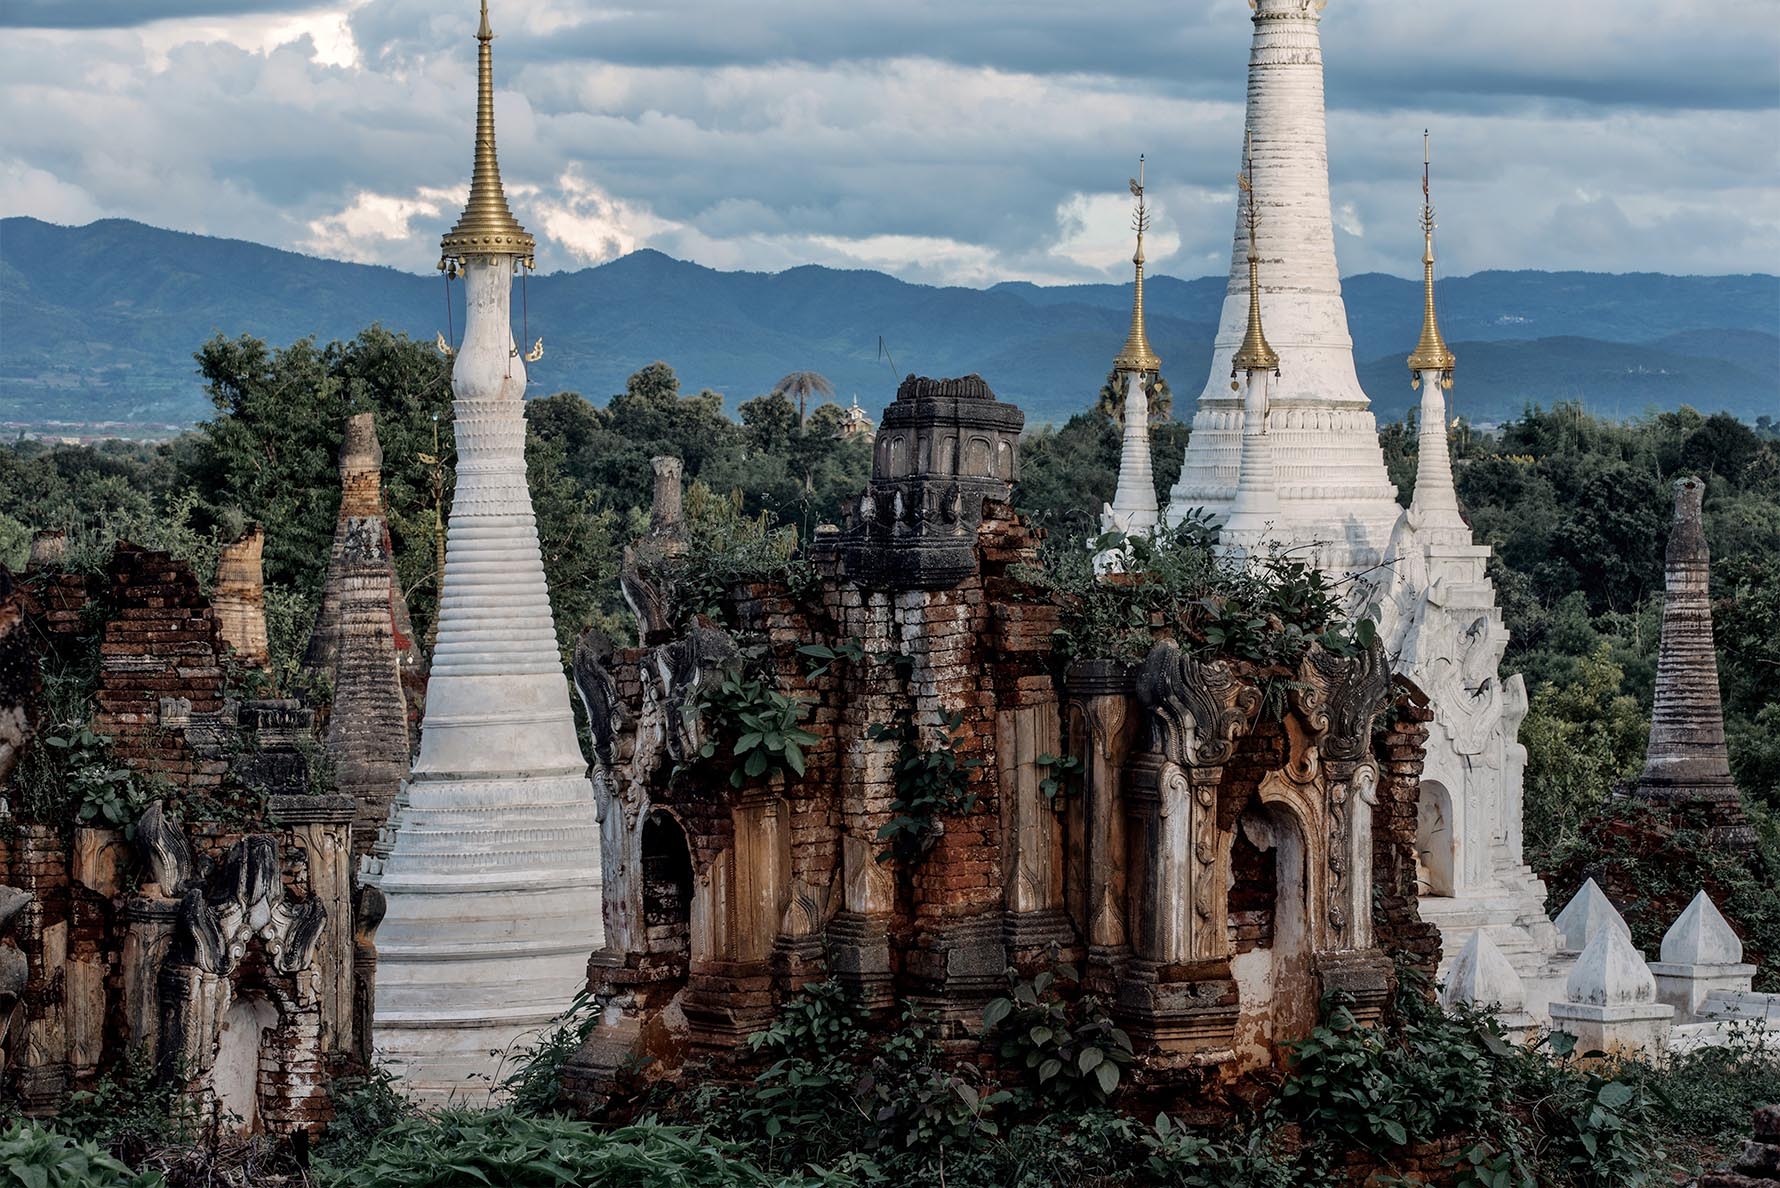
<point x="123" y="14"/>
<point x="956" y="142"/>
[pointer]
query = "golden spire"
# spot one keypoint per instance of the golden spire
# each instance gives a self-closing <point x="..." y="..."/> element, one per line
<point x="1431" y="353"/>
<point x="1136" y="354"/>
<point x="487" y="226"/>
<point x="1254" y="354"/>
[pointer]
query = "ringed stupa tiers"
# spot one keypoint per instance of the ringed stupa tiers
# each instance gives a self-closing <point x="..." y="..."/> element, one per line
<point x="1686" y="765"/>
<point x="492" y="872"/>
<point x="1330" y="473"/>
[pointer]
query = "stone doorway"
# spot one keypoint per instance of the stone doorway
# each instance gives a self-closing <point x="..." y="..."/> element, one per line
<point x="236" y="1075"/>
<point x="667" y="885"/>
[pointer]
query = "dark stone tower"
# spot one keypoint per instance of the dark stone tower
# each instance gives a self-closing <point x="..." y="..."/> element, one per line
<point x="1686" y="765"/>
<point x="943" y="448"/>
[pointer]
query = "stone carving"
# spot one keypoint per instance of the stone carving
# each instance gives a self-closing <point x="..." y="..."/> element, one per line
<point x="599" y="693"/>
<point x="164" y="851"/>
<point x="682" y="670"/>
<point x="1356" y="691"/>
<point x="247" y="900"/>
<point x="1196" y="709"/>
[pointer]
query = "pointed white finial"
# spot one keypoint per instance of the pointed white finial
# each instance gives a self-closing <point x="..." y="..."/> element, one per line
<point x="1610" y="972"/>
<point x="1482" y="976"/>
<point x="1586" y="915"/>
<point x="1701" y="936"/>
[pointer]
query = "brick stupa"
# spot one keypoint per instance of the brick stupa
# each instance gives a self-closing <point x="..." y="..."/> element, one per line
<point x="1686" y="766"/>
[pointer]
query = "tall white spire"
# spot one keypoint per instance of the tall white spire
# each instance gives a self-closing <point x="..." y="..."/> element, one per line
<point x="1255" y="511"/>
<point x="1134" y="510"/>
<point x="1436" y="502"/>
<point x="1330" y="470"/>
<point x="492" y="873"/>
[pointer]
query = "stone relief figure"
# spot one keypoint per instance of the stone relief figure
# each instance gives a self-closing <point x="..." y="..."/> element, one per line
<point x="682" y="670"/>
<point x="599" y="693"/>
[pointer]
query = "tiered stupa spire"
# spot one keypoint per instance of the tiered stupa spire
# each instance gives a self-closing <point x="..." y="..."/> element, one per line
<point x="1331" y="479"/>
<point x="1436" y="502"/>
<point x="492" y="873"/>
<point x="1256" y="508"/>
<point x="1686" y="765"/>
<point x="1134" y="510"/>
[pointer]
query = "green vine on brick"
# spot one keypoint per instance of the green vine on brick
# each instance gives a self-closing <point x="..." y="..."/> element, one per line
<point x="1063" y="777"/>
<point x="758" y="724"/>
<point x="930" y="784"/>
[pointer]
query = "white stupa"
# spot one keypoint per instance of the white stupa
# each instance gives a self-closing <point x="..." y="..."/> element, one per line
<point x="1330" y="476"/>
<point x="492" y="872"/>
<point x="1134" y="510"/>
<point x="1309" y="474"/>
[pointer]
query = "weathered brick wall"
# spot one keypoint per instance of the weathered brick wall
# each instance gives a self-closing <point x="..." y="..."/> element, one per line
<point x="1399" y="748"/>
<point x="160" y="674"/>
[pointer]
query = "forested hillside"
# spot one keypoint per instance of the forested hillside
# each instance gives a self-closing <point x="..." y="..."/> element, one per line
<point x="100" y="321"/>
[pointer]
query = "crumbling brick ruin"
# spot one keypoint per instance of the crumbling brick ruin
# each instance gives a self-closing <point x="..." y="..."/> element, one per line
<point x="1216" y="872"/>
<point x="225" y="943"/>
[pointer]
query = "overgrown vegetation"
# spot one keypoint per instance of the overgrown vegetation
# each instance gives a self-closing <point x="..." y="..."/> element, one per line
<point x="932" y="783"/>
<point x="1268" y="609"/>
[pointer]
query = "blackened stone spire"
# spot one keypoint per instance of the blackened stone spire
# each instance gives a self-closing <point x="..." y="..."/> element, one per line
<point x="1686" y="765"/>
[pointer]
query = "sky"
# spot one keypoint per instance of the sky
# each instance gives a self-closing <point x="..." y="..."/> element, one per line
<point x="944" y="141"/>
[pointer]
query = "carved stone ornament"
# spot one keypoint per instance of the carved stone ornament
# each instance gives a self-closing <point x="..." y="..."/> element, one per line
<point x="164" y="852"/>
<point x="682" y="668"/>
<point x="599" y="693"/>
<point x="1356" y="688"/>
<point x="1197" y="710"/>
<point x="245" y="900"/>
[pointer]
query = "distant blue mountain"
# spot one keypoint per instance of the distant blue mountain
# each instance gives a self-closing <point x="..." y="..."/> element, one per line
<point x="99" y="323"/>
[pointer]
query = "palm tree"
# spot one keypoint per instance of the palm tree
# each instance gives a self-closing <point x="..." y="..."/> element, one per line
<point x="1110" y="403"/>
<point x="800" y="386"/>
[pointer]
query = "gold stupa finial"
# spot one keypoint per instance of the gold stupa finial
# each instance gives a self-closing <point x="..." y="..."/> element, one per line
<point x="1431" y="353"/>
<point x="487" y="226"/>
<point x="1136" y="354"/>
<point x="1254" y="354"/>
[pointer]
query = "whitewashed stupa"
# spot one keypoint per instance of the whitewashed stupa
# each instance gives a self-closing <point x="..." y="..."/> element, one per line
<point x="492" y="871"/>
<point x="1309" y="473"/>
<point x="1331" y="481"/>
<point x="1134" y="510"/>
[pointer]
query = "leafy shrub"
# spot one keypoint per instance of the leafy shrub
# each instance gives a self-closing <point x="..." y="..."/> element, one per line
<point x="468" y="1149"/>
<point x="364" y="1108"/>
<point x="32" y="1156"/>
<point x="1267" y="609"/>
<point x="1072" y="1052"/>
<point x="758" y="724"/>
<point x="535" y="1084"/>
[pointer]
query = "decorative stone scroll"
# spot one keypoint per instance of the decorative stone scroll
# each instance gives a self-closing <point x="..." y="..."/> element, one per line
<point x="247" y="900"/>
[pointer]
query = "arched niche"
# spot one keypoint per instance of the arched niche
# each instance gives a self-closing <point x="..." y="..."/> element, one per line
<point x="1436" y="841"/>
<point x="667" y="885"/>
<point x="235" y="1077"/>
<point x="1287" y="937"/>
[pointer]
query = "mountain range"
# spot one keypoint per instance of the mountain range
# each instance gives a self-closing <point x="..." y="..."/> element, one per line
<point x="99" y="323"/>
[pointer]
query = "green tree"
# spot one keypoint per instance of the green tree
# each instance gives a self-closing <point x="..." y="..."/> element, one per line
<point x="799" y="386"/>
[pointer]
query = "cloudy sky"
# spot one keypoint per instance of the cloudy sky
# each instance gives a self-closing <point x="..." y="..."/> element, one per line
<point x="955" y="141"/>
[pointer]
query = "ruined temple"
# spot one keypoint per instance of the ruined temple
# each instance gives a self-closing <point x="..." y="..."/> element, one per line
<point x="363" y="643"/>
<point x="215" y="937"/>
<point x="1215" y="871"/>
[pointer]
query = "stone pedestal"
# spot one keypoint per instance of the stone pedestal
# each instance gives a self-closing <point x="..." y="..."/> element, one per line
<point x="1700" y="956"/>
<point x="1611" y="1000"/>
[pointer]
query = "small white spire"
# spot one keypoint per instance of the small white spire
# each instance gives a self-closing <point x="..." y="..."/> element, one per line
<point x="1588" y="913"/>
<point x="1701" y="935"/>
<point x="1610" y="972"/>
<point x="1482" y="976"/>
